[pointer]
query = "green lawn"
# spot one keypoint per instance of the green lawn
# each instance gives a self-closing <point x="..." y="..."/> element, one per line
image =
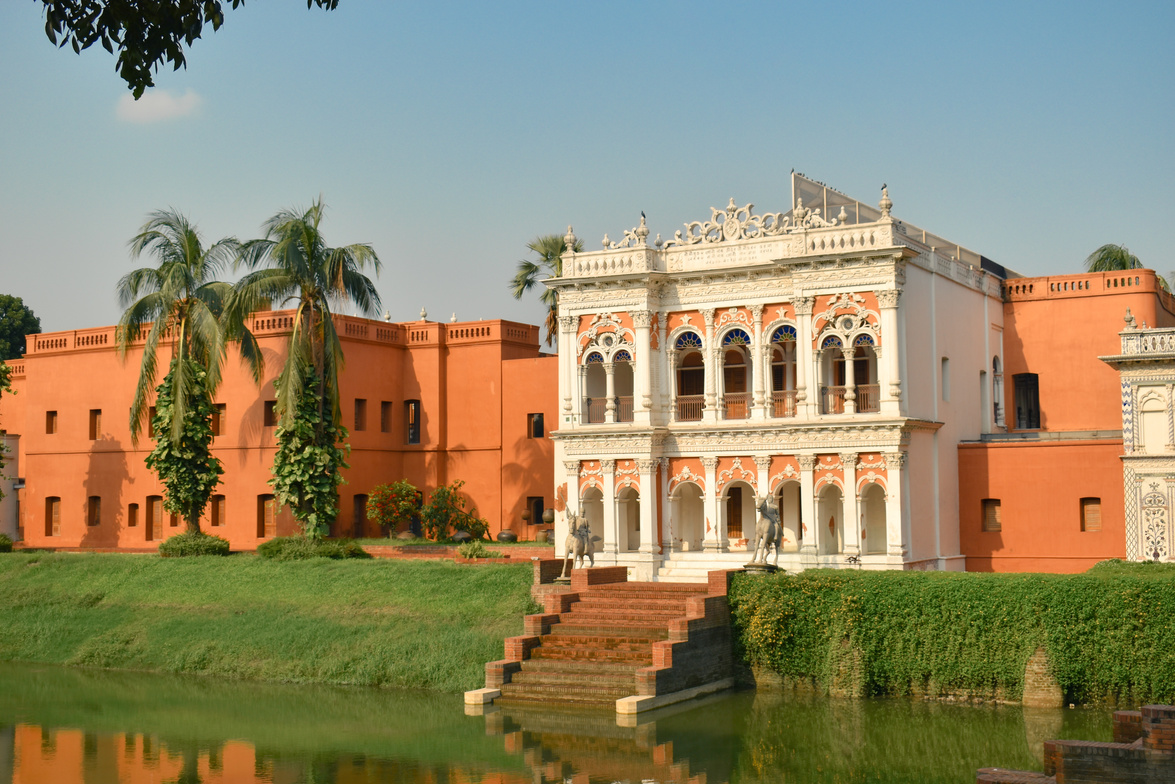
<point x="393" y="542"/>
<point x="427" y="624"/>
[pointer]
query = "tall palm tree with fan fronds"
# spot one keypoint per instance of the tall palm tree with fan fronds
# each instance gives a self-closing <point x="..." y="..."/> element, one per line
<point x="1117" y="258"/>
<point x="293" y="266"/>
<point x="178" y="304"/>
<point x="550" y="248"/>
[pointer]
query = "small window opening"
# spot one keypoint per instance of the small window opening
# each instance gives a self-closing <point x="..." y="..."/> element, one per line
<point x="266" y="517"/>
<point x="53" y="516"/>
<point x="412" y="421"/>
<point x="1027" y="392"/>
<point x="218" y="419"/>
<point x="95" y="423"/>
<point x="217" y="509"/>
<point x="1091" y="514"/>
<point x="94" y="510"/>
<point x="50" y="422"/>
<point x="132" y="515"/>
<point x="270" y="413"/>
<point x="360" y="414"/>
<point x="534" y="426"/>
<point x="992" y="520"/>
<point x="385" y="417"/>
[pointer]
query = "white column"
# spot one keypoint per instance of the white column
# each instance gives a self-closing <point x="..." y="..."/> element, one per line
<point x="762" y="484"/>
<point x="581" y="404"/>
<point x="660" y="378"/>
<point x="895" y="545"/>
<point x="808" y="508"/>
<point x="888" y="373"/>
<point x="710" y="503"/>
<point x="611" y="528"/>
<point x="710" y="413"/>
<point x="610" y="387"/>
<point x="571" y="475"/>
<point x="848" y="353"/>
<point x="666" y="516"/>
<point x="758" y="376"/>
<point x="567" y="361"/>
<point x="804" y="354"/>
<point x="642" y="399"/>
<point x="852" y="522"/>
<point x="671" y="387"/>
<point x="647" y="470"/>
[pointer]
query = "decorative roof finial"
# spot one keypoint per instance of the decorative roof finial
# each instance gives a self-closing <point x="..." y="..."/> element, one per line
<point x="885" y="204"/>
<point x="606" y="242"/>
<point x="569" y="240"/>
<point x="387" y="316"/>
<point x="423" y="314"/>
<point x="453" y="320"/>
<point x="1129" y="319"/>
<point x="642" y="231"/>
<point x="659" y="242"/>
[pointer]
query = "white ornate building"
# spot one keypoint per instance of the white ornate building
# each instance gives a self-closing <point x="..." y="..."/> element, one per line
<point x="829" y="357"/>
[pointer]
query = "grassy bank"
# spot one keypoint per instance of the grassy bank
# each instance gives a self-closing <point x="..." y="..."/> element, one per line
<point x="394" y="623"/>
<point x="1109" y="633"/>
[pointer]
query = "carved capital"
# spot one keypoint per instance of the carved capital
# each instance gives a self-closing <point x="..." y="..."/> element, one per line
<point x="762" y="462"/>
<point x="708" y="315"/>
<point x="848" y="353"/>
<point x="642" y="318"/>
<point x="807" y="462"/>
<point x="568" y="323"/>
<point x="608" y="466"/>
<point x="757" y="313"/>
<point x="888" y="298"/>
<point x="804" y="305"/>
<point x="848" y="459"/>
<point x="646" y="466"/>
<point x="571" y="467"/>
<point x="709" y="462"/>
<point x="895" y="459"/>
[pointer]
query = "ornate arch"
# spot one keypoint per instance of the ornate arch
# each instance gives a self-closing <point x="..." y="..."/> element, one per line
<point x="605" y="333"/>
<point x="735" y="473"/>
<point x="677" y="333"/>
<point x="732" y="336"/>
<point x="872" y="478"/>
<point x="686" y="474"/>
<point x="826" y="479"/>
<point x="847" y="317"/>
<point x="777" y="481"/>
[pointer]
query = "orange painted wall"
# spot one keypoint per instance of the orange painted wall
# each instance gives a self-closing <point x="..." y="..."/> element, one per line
<point x="476" y="382"/>
<point x="1040" y="487"/>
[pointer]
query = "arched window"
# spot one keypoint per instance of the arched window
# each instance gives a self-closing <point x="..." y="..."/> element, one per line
<point x="594" y="357"/>
<point x="832" y="341"/>
<point x="622" y="356"/>
<point x="688" y="340"/>
<point x="785" y="334"/>
<point x="736" y="337"/>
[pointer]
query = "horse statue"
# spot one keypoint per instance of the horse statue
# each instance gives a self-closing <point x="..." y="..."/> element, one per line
<point x="768" y="531"/>
<point x="580" y="543"/>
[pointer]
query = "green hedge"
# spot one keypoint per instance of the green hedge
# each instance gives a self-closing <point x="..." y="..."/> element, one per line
<point x="5" y="544"/>
<point x="297" y="548"/>
<point x="189" y="544"/>
<point x="1109" y="633"/>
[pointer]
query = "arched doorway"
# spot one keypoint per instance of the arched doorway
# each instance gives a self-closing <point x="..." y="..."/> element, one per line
<point x="628" y="519"/>
<point x="592" y="508"/>
<point x="691" y="378"/>
<point x="872" y="508"/>
<point x="832" y="376"/>
<point x="595" y="388"/>
<point x="830" y="518"/>
<point x="867" y="390"/>
<point x="738" y="505"/>
<point x="622" y="385"/>
<point x="783" y="372"/>
<point x="689" y="518"/>
<point x="787" y="498"/>
<point x="736" y="375"/>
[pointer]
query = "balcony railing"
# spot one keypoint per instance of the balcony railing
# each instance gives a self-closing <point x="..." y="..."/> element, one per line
<point x="595" y="410"/>
<point x="868" y="398"/>
<point x="689" y="407"/>
<point x="624" y="409"/>
<point x="832" y="400"/>
<point x="736" y="405"/>
<point x="783" y="404"/>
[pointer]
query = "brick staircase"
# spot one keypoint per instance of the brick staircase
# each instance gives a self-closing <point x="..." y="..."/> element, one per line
<point x="605" y="639"/>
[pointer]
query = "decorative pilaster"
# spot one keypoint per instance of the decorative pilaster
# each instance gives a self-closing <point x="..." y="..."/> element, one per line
<point x="763" y="480"/>
<point x="646" y="470"/>
<point x="710" y="502"/>
<point x="581" y="395"/>
<point x="889" y="370"/>
<point x="671" y="355"/>
<point x="611" y="529"/>
<point x="852" y="522"/>
<point x="571" y="474"/>
<point x="804" y="355"/>
<point x="662" y="398"/>
<point x="642" y="399"/>
<point x="666" y="507"/>
<point x="710" y="413"/>
<point x="808" y="509"/>
<point x="848" y="352"/>
<point x="610" y="392"/>
<point x="758" y="375"/>
<point x="895" y="545"/>
<point x="567" y="379"/>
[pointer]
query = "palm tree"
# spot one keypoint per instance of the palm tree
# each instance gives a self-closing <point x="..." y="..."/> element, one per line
<point x="1117" y="258"/>
<point x="550" y="248"/>
<point x="302" y="268"/>
<point x="182" y="301"/>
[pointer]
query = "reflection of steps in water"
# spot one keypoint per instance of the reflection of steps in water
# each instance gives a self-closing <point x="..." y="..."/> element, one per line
<point x="589" y="746"/>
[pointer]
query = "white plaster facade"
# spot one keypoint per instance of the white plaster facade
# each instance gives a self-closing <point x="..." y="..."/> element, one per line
<point x="831" y="363"/>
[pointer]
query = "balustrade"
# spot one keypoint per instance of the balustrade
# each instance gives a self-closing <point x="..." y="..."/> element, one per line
<point x="736" y="405"/>
<point x="783" y="404"/>
<point x="868" y="398"/>
<point x="624" y="409"/>
<point x="832" y="400"/>
<point x="689" y="407"/>
<point x="595" y="410"/>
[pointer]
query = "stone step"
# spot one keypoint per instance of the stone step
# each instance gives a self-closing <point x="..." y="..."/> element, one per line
<point x="553" y="678"/>
<point x="658" y="590"/>
<point x="589" y="656"/>
<point x="612" y="603"/>
<point x="596" y="633"/>
<point x="583" y="668"/>
<point x="626" y="620"/>
<point x="566" y="692"/>
<point x="525" y="698"/>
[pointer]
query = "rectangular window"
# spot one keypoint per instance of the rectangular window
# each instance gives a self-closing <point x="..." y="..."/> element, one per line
<point x="534" y="426"/>
<point x="217" y="511"/>
<point x="52" y="516"/>
<point x="95" y="423"/>
<point x="360" y="414"/>
<point x="1027" y="394"/>
<point x="154" y="518"/>
<point x="385" y="417"/>
<point x="534" y="505"/>
<point x="94" y="510"/>
<point x="218" y="419"/>
<point x="412" y="421"/>
<point x="151" y="422"/>
<point x="946" y="380"/>
<point x="1091" y="514"/>
<point x="266" y="517"/>
<point x="173" y="520"/>
<point x="270" y="416"/>
<point x="50" y="422"/>
<point x="132" y="515"/>
<point x="358" y="515"/>
<point x="991" y="515"/>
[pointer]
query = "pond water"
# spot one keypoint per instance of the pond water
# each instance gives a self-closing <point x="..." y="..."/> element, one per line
<point x="63" y="726"/>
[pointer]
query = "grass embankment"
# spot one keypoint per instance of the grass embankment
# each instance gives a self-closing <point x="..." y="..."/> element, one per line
<point x="1109" y="633"/>
<point x="378" y="623"/>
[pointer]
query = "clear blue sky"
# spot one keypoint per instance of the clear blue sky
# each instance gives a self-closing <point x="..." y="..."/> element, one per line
<point x="448" y="135"/>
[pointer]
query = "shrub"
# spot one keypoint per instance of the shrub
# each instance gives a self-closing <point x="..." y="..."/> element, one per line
<point x="392" y="507"/>
<point x="446" y="509"/>
<point x="477" y="549"/>
<point x="5" y="544"/>
<point x="297" y="548"/>
<point x="193" y="543"/>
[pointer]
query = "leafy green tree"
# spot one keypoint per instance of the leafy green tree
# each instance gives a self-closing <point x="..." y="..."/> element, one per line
<point x="186" y="466"/>
<point x="146" y="34"/>
<point x="5" y="386"/>
<point x="393" y="506"/>
<point x="1111" y="258"/>
<point x="293" y="264"/>
<point x="550" y="249"/>
<point x="306" y="468"/>
<point x="17" y="321"/>
<point x="445" y="510"/>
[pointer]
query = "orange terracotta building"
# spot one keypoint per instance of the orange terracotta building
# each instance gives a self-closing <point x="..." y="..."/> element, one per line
<point x="430" y="402"/>
<point x="1045" y="491"/>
